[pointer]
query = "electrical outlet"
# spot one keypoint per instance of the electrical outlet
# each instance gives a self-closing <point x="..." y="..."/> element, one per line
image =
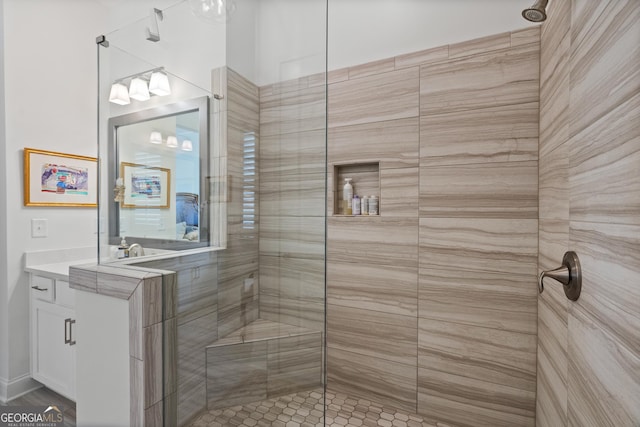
<point x="39" y="227"/>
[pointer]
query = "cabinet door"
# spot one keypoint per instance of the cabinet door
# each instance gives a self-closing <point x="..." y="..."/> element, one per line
<point x="52" y="361"/>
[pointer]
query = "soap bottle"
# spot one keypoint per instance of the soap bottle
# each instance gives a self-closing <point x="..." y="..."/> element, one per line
<point x="364" y="205"/>
<point x="347" y="197"/>
<point x="356" y="205"/>
<point x="373" y="205"/>
<point x="123" y="249"/>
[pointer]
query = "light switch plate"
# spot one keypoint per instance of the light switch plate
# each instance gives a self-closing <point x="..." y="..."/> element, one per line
<point x="39" y="227"/>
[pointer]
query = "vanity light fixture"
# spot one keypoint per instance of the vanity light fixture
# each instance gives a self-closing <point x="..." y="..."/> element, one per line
<point x="138" y="89"/>
<point x="172" y="141"/>
<point x="141" y="86"/>
<point x="119" y="94"/>
<point x="155" y="137"/>
<point x="159" y="84"/>
<point x="187" y="145"/>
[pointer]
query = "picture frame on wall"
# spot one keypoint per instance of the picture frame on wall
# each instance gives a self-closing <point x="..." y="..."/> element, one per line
<point x="59" y="179"/>
<point x="145" y="186"/>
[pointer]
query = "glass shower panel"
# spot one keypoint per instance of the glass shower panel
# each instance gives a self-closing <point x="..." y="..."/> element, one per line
<point x="244" y="316"/>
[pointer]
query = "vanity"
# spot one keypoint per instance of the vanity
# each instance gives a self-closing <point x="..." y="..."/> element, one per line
<point x="52" y="317"/>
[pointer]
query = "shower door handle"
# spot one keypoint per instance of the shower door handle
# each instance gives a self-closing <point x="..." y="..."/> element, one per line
<point x="569" y="274"/>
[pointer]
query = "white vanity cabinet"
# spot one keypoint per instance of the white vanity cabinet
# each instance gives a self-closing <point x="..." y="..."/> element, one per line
<point x="53" y="351"/>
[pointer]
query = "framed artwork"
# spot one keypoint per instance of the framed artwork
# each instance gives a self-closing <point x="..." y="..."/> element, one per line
<point x="59" y="179"/>
<point x="145" y="186"/>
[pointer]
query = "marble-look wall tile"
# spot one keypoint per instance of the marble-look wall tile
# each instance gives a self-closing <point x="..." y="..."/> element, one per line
<point x="489" y="355"/>
<point x="243" y="100"/>
<point x="372" y="68"/>
<point x="503" y="77"/>
<point x="136" y="390"/>
<point x="292" y="277"/>
<point x="293" y="154"/>
<point x="365" y="285"/>
<point x="385" y="336"/>
<point x="604" y="374"/>
<point x="495" y="299"/>
<point x="399" y="192"/>
<point x="456" y="400"/>
<point x="304" y="312"/>
<point x="385" y="241"/>
<point x="507" y="246"/>
<point x="480" y="45"/>
<point x="553" y="182"/>
<point x="525" y="36"/>
<point x="393" y="143"/>
<point x="289" y="112"/>
<point x="380" y="97"/>
<point x="610" y="263"/>
<point x="492" y="190"/>
<point x="294" y="364"/>
<point x="486" y="135"/>
<point x="301" y="237"/>
<point x="421" y="57"/>
<point x="605" y="60"/>
<point x="302" y="195"/>
<point x="367" y="377"/>
<point x="604" y="178"/>
<point x="236" y="374"/>
<point x="153" y="368"/>
<point x="554" y="78"/>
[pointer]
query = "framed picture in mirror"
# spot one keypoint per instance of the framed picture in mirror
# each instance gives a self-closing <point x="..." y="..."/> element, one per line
<point x="145" y="186"/>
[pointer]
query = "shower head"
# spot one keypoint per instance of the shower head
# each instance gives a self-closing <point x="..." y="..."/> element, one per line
<point x="536" y="13"/>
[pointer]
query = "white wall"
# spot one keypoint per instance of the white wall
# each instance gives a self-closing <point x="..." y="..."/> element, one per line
<point x="4" y="243"/>
<point x="49" y="84"/>
<point x="290" y="39"/>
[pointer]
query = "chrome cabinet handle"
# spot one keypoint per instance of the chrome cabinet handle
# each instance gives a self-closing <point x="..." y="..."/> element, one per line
<point x="71" y="340"/>
<point x="67" y="339"/>
<point x="37" y="288"/>
<point x="569" y="274"/>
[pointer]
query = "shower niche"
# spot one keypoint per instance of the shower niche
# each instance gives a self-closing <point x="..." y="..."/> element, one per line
<point x="365" y="179"/>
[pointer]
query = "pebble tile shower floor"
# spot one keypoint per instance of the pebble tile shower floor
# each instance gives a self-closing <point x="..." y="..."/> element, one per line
<point x="304" y="409"/>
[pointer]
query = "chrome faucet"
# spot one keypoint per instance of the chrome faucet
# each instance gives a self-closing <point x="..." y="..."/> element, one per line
<point x="136" y="249"/>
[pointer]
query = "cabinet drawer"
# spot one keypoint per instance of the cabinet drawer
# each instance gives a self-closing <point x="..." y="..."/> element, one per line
<point x="64" y="294"/>
<point x="42" y="288"/>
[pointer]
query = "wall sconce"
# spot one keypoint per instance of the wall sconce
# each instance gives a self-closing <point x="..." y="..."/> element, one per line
<point x="172" y="141"/>
<point x="159" y="84"/>
<point x="138" y="89"/>
<point x="187" y="145"/>
<point x="141" y="86"/>
<point x="155" y="137"/>
<point x="119" y="94"/>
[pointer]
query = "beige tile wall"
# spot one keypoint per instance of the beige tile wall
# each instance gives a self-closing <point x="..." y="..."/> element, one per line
<point x="292" y="201"/>
<point x="588" y="350"/>
<point x="432" y="305"/>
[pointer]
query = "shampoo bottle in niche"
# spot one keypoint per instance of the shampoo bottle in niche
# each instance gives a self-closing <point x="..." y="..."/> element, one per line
<point x="373" y="205"/>
<point x="347" y="197"/>
<point x="356" y="205"/>
<point x="364" y="205"/>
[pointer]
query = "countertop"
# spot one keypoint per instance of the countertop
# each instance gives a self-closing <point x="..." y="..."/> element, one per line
<point x="57" y="270"/>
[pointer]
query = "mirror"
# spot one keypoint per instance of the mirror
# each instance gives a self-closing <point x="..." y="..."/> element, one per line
<point x="158" y="168"/>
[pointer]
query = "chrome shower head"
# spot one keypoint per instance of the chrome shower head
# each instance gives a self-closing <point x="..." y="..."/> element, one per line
<point x="536" y="13"/>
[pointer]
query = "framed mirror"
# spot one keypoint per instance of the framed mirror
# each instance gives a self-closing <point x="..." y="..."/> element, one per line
<point x="158" y="165"/>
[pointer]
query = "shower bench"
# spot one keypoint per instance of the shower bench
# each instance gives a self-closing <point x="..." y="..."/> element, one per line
<point x="261" y="360"/>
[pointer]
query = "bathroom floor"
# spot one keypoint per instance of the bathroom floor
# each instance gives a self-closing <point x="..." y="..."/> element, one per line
<point x="304" y="409"/>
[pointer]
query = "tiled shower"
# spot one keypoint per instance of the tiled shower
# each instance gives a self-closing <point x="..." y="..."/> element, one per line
<point x="428" y="313"/>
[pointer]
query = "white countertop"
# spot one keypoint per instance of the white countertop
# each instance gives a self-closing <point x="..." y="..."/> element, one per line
<point x="57" y="270"/>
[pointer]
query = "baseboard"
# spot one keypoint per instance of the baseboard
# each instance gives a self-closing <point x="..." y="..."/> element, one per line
<point x="9" y="390"/>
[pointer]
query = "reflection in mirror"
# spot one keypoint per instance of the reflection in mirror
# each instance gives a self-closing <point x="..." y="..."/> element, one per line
<point x="158" y="165"/>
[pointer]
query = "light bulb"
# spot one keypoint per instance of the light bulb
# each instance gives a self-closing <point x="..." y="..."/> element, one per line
<point x="138" y="89"/>
<point x="159" y="84"/>
<point x="172" y="141"/>
<point x="155" y="137"/>
<point x="187" y="145"/>
<point x="119" y="94"/>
